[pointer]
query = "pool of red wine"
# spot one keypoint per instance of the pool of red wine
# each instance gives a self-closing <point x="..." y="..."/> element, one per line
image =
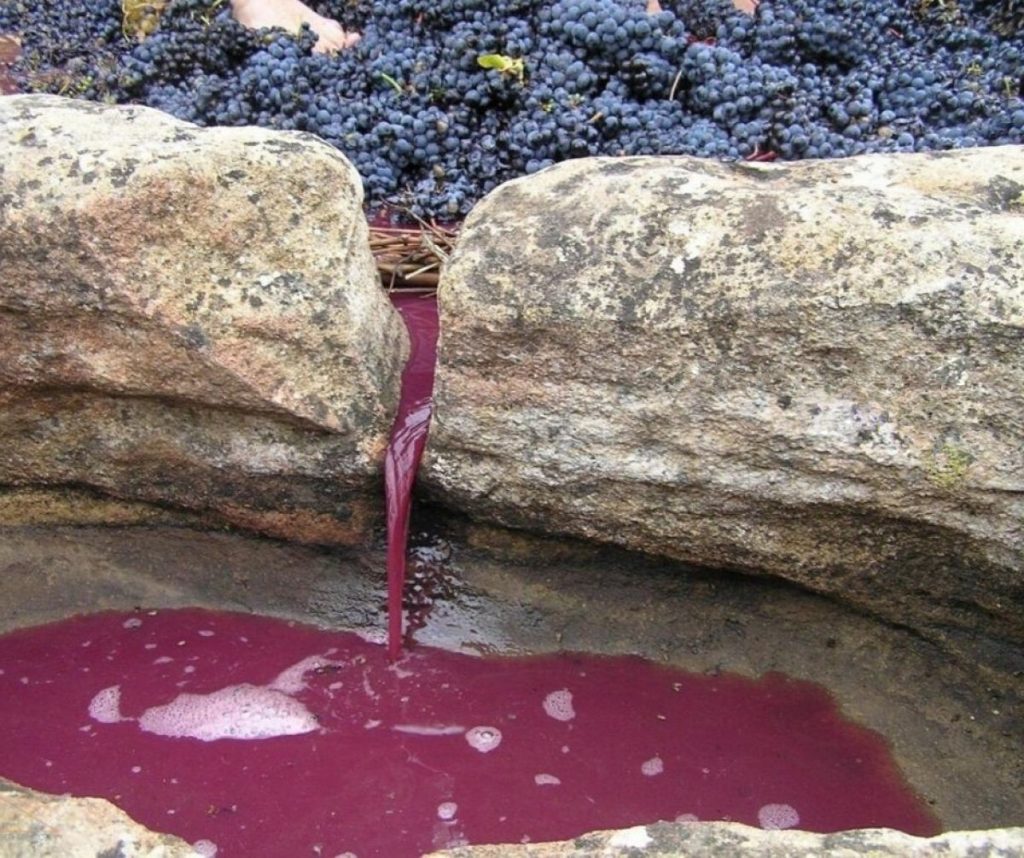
<point x="256" y="736"/>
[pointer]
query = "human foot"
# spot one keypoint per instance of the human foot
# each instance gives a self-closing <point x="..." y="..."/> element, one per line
<point x="290" y="15"/>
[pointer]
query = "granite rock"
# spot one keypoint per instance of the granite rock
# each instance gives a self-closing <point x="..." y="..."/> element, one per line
<point x="190" y="319"/>
<point x="813" y="371"/>
<point x="695" y="840"/>
<point x="37" y="825"/>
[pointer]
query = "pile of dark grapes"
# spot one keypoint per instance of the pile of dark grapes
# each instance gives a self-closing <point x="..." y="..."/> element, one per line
<point x="431" y="130"/>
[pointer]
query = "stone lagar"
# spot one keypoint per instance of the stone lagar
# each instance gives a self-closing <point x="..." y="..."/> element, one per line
<point x="37" y="825"/>
<point x="812" y="371"/>
<point x="189" y="319"/>
<point x="688" y="840"/>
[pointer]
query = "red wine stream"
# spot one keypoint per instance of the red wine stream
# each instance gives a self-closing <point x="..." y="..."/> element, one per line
<point x="408" y="438"/>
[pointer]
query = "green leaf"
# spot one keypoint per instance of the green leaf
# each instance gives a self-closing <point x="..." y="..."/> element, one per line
<point x="495" y="61"/>
<point x="503" y="64"/>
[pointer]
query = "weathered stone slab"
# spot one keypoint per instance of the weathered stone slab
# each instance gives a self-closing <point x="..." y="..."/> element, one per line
<point x="813" y="371"/>
<point x="37" y="825"/>
<point x="191" y="319"/>
<point x="683" y="840"/>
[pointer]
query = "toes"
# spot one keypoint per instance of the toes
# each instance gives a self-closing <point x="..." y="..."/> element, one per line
<point x="332" y="37"/>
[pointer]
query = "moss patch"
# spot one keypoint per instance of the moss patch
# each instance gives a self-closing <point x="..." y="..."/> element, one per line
<point x="948" y="467"/>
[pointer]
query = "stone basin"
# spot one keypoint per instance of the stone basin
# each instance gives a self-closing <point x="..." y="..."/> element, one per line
<point x="547" y="552"/>
<point x="953" y="735"/>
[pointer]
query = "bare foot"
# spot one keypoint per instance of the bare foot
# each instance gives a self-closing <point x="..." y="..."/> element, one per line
<point x="290" y="15"/>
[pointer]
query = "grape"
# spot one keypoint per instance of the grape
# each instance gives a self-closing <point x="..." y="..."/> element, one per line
<point x="430" y="129"/>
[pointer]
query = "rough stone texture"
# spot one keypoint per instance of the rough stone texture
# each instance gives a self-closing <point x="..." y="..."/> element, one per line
<point x="37" y="825"/>
<point x="33" y="507"/>
<point x="190" y="319"/>
<point x="814" y="371"/>
<point x="729" y="839"/>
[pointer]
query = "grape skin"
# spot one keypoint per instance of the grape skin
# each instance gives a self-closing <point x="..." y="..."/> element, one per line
<point x="431" y="131"/>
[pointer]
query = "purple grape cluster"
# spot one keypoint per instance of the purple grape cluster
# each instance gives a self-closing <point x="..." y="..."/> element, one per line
<point x="431" y="127"/>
